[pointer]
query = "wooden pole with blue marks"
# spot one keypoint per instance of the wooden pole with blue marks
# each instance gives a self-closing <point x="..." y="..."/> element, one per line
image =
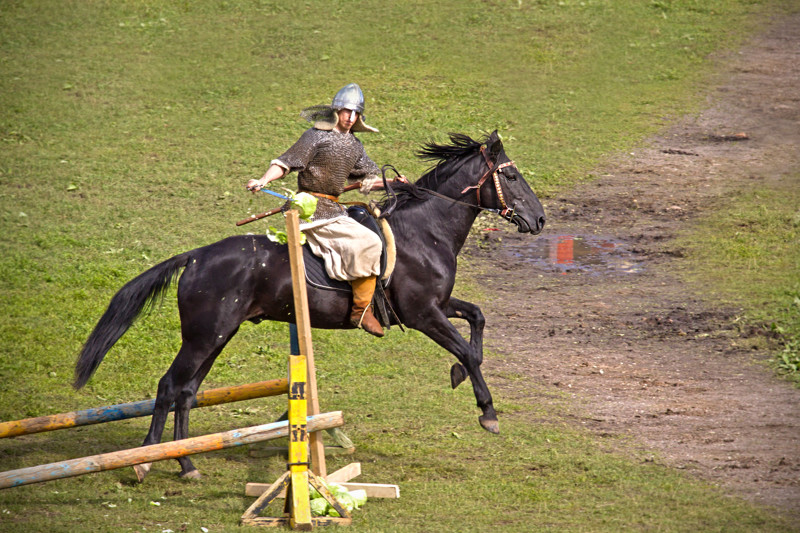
<point x="124" y="411"/>
<point x="161" y="452"/>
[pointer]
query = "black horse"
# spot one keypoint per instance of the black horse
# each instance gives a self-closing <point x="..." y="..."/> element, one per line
<point x="247" y="277"/>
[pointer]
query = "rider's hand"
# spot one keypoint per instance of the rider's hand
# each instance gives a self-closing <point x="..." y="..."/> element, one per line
<point x="401" y="179"/>
<point x="368" y="183"/>
<point x="274" y="172"/>
<point x="254" y="185"/>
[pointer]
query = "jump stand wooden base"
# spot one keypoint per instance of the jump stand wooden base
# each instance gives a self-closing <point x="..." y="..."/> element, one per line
<point x="343" y="477"/>
<point x="296" y="504"/>
<point x="295" y="482"/>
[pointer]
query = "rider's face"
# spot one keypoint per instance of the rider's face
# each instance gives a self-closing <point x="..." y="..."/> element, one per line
<point x="346" y="120"/>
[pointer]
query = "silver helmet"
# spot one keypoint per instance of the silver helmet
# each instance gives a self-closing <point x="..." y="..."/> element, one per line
<point x="349" y="97"/>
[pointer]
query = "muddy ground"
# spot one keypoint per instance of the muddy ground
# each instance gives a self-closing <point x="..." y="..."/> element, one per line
<point x="639" y="352"/>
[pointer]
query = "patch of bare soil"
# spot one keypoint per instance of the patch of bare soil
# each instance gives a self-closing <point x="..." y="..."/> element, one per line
<point x="617" y="330"/>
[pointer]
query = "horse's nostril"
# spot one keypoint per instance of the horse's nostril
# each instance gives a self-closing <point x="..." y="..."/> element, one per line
<point x="541" y="222"/>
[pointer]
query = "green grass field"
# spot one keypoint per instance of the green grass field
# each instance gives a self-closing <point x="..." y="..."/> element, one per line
<point x="750" y="258"/>
<point x="127" y="132"/>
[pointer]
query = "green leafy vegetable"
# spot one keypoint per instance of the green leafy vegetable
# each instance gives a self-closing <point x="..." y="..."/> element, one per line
<point x="280" y="237"/>
<point x="319" y="507"/>
<point x="305" y="204"/>
<point x="347" y="501"/>
<point x="359" y="497"/>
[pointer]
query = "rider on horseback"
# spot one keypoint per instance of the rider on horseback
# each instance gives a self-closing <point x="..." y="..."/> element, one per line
<point x="326" y="157"/>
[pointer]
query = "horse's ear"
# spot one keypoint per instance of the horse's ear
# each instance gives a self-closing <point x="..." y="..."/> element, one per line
<point x="495" y="143"/>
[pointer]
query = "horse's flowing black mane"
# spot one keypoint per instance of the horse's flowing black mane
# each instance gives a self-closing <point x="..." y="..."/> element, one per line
<point x="460" y="145"/>
<point x="445" y="156"/>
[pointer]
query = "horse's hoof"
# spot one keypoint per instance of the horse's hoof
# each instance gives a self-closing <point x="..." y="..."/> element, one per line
<point x="457" y="375"/>
<point x="191" y="474"/>
<point x="142" y="470"/>
<point x="490" y="425"/>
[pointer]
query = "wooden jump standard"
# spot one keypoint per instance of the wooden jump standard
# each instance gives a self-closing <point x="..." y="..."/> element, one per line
<point x="124" y="411"/>
<point x="161" y="452"/>
<point x="306" y="452"/>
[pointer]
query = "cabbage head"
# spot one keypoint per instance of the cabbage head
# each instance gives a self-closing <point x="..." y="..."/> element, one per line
<point x="319" y="507"/>
<point x="336" y="489"/>
<point x="347" y="501"/>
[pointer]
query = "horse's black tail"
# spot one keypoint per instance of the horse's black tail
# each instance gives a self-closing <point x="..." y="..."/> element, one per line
<point x="136" y="296"/>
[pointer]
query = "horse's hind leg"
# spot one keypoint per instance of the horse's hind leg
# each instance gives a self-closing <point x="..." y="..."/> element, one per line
<point x="183" y="405"/>
<point x="472" y="314"/>
<point x="173" y="387"/>
<point x="164" y="398"/>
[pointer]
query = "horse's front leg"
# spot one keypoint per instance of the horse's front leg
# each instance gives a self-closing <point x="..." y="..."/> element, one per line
<point x="472" y="314"/>
<point x="435" y="325"/>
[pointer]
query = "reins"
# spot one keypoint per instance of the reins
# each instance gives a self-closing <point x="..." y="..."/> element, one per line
<point x="392" y="196"/>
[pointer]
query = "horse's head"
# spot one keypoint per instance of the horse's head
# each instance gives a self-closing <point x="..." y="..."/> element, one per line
<point x="480" y="174"/>
<point x="502" y="188"/>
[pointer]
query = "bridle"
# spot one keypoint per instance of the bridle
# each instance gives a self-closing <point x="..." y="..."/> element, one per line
<point x="494" y="171"/>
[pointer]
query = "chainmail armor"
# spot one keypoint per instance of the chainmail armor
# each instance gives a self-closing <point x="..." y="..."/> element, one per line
<point x="325" y="161"/>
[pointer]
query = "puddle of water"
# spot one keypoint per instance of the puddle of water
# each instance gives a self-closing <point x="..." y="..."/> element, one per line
<point x="578" y="254"/>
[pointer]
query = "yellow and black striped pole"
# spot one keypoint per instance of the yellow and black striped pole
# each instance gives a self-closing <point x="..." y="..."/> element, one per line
<point x="299" y="502"/>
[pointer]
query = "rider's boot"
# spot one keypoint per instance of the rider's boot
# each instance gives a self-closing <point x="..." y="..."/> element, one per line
<point x="361" y="316"/>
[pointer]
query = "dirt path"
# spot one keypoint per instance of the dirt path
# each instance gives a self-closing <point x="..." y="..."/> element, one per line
<point x="639" y="354"/>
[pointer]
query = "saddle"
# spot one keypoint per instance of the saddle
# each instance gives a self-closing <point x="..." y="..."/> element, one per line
<point x="317" y="276"/>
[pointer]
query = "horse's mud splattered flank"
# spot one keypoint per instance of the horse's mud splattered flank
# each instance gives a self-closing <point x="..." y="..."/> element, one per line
<point x="640" y="353"/>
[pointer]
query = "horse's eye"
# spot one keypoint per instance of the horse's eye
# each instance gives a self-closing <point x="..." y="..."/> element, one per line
<point x="510" y="176"/>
